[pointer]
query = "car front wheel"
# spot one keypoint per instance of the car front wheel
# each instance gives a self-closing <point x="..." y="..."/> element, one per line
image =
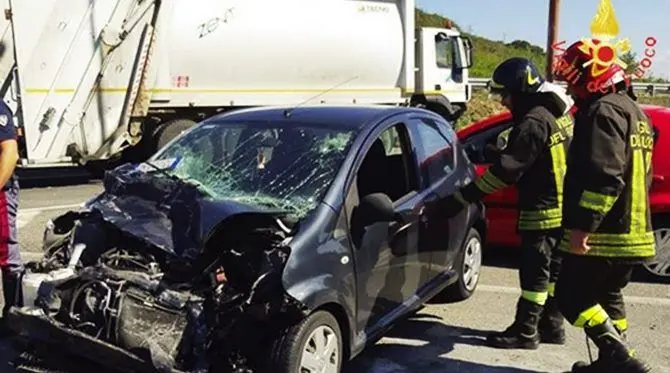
<point x="312" y="346"/>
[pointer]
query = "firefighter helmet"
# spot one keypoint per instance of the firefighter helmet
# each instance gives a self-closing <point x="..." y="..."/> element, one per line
<point x="589" y="67"/>
<point x="517" y="75"/>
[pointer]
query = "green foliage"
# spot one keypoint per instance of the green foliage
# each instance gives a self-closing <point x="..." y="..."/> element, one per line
<point x="424" y="19"/>
<point x="488" y="54"/>
<point x="630" y="60"/>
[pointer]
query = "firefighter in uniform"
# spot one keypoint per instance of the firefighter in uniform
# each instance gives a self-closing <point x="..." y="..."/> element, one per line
<point x="606" y="213"/>
<point x="10" y="256"/>
<point x="534" y="160"/>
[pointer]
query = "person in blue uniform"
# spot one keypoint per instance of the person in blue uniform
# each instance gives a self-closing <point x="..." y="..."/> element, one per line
<point x="10" y="255"/>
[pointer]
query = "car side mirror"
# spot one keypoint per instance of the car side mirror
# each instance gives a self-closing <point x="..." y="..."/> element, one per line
<point x="375" y="208"/>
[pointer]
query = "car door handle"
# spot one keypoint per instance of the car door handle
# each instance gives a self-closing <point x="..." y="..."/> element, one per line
<point x="423" y="217"/>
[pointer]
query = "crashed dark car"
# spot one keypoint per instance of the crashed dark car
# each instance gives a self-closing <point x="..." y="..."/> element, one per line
<point x="265" y="239"/>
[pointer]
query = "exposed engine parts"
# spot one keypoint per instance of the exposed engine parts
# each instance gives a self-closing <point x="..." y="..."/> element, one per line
<point x="140" y="308"/>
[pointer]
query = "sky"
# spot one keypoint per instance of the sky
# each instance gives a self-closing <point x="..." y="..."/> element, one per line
<point x="510" y="20"/>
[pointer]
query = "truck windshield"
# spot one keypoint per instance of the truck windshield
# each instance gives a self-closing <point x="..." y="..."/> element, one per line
<point x="276" y="167"/>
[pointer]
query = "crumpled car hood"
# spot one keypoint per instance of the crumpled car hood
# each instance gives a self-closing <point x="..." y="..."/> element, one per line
<point x="161" y="210"/>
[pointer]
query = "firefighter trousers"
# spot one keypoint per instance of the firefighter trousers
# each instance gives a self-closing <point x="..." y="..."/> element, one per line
<point x="540" y="264"/>
<point x="10" y="253"/>
<point x="590" y="287"/>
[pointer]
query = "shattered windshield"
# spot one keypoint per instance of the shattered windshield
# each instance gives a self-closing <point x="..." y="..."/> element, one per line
<point x="260" y="164"/>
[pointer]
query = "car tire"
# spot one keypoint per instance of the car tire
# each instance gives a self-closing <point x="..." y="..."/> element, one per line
<point x="291" y="351"/>
<point x="468" y="265"/>
<point x="659" y="267"/>
<point x="169" y="130"/>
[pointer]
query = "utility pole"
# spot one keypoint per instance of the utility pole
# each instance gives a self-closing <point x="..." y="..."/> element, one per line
<point x="551" y="36"/>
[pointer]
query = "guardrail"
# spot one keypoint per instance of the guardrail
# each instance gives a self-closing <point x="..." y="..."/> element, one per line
<point x="650" y="88"/>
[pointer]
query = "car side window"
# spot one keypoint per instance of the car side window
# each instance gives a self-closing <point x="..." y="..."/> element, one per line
<point x="386" y="166"/>
<point x="435" y="150"/>
<point x="391" y="140"/>
<point x="496" y="137"/>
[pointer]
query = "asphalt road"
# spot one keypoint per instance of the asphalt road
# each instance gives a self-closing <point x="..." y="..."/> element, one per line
<point x="441" y="338"/>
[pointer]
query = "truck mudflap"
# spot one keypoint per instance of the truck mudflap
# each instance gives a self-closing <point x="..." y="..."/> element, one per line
<point x="48" y="337"/>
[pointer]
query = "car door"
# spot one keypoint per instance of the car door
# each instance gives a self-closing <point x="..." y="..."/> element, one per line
<point x="386" y="255"/>
<point x="436" y="148"/>
<point x="501" y="206"/>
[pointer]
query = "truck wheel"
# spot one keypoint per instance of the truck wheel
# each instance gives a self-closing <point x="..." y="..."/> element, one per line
<point x="170" y="130"/>
<point x="313" y="345"/>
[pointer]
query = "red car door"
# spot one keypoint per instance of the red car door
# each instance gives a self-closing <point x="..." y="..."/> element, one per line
<point x="501" y="213"/>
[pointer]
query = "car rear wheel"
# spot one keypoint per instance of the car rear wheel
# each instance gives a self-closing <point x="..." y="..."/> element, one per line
<point x="468" y="265"/>
<point x="660" y="265"/>
<point x="312" y="346"/>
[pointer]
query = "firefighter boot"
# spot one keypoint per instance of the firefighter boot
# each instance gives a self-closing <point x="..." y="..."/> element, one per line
<point x="523" y="332"/>
<point x="622" y="335"/>
<point x="551" y="324"/>
<point x="613" y="354"/>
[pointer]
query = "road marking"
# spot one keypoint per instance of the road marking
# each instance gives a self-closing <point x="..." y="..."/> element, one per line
<point x="25" y="216"/>
<point x="49" y="208"/>
<point x="31" y="256"/>
<point x="632" y="299"/>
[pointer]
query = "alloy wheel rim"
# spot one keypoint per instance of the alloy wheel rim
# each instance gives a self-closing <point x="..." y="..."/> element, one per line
<point x="320" y="354"/>
<point x="472" y="263"/>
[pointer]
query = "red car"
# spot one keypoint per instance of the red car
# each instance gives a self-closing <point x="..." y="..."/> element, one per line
<point x="501" y="206"/>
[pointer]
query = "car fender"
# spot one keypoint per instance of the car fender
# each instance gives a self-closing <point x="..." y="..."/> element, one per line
<point x="320" y="268"/>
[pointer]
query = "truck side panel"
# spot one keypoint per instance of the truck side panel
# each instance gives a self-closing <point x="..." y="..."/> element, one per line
<point x="254" y="52"/>
<point x="73" y="90"/>
<point x="79" y="86"/>
<point x="7" y="61"/>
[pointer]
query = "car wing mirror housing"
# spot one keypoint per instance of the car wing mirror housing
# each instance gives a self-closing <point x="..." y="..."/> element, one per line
<point x="376" y="208"/>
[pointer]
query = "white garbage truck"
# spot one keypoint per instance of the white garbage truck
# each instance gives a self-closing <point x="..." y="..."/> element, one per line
<point x="92" y="80"/>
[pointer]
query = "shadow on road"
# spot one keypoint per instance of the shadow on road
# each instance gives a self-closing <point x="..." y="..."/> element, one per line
<point x="436" y="340"/>
<point x="7" y="354"/>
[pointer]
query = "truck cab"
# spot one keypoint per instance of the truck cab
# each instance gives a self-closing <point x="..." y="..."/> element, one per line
<point x="443" y="57"/>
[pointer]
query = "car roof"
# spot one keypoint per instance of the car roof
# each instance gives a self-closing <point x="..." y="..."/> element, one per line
<point x="654" y="111"/>
<point x="345" y="117"/>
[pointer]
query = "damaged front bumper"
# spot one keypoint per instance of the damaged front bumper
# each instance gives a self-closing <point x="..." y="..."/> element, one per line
<point x="152" y="276"/>
<point x="38" y="329"/>
<point x="142" y="326"/>
<point x="127" y="312"/>
<point x="123" y="319"/>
